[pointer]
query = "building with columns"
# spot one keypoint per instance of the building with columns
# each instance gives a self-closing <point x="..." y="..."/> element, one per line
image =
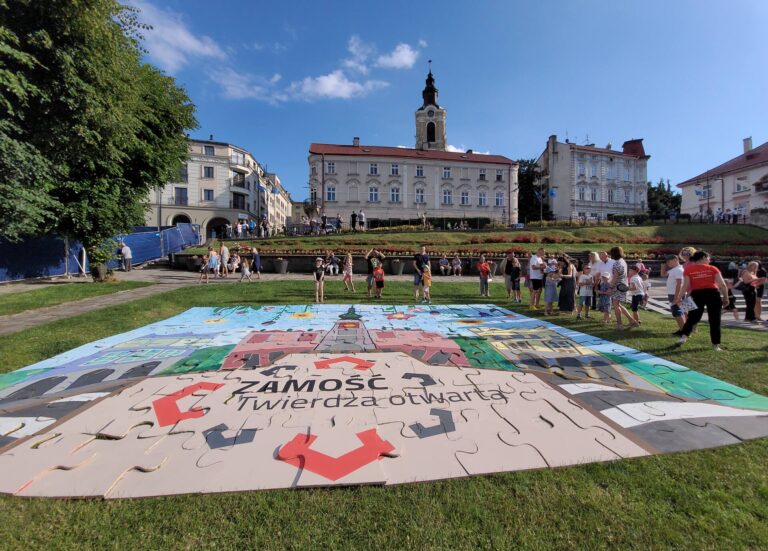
<point x="220" y="183"/>
<point x="584" y="181"/>
<point x="398" y="183"/>
<point x="738" y="185"/>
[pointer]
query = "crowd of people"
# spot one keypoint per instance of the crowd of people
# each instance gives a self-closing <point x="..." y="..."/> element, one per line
<point x="250" y="228"/>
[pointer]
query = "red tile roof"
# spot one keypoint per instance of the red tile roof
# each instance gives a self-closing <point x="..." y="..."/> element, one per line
<point x="404" y="152"/>
<point x="631" y="148"/>
<point x="753" y="157"/>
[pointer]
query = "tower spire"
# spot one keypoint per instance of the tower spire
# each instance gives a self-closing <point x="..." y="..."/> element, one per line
<point x="429" y="95"/>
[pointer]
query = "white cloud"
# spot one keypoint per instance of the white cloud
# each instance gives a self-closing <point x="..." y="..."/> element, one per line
<point x="170" y="43"/>
<point x="454" y="149"/>
<point x="360" y="52"/>
<point x="402" y="57"/>
<point x="422" y="43"/>
<point x="238" y="85"/>
<point x="334" y="85"/>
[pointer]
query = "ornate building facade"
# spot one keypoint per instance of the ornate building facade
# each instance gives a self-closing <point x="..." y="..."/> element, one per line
<point x="398" y="183"/>
<point x="584" y="181"/>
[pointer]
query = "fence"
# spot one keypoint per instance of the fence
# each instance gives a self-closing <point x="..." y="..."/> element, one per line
<point x="52" y="256"/>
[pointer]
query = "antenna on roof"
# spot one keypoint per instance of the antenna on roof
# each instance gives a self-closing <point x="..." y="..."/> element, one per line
<point x="430" y="65"/>
<point x="586" y="141"/>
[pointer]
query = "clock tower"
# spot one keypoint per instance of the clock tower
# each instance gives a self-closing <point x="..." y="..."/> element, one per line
<point x="430" y="118"/>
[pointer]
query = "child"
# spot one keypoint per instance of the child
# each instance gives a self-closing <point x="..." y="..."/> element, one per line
<point x="646" y="288"/>
<point x="551" y="293"/>
<point x="426" y="283"/>
<point x="484" y="269"/>
<point x="245" y="270"/>
<point x="604" y="296"/>
<point x="319" y="272"/>
<point x="348" y="273"/>
<point x="212" y="265"/>
<point x="585" y="284"/>
<point x="731" y="300"/>
<point x="636" y="291"/>
<point x="378" y="279"/>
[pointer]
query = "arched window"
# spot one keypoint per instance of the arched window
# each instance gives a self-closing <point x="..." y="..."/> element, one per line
<point x="482" y="199"/>
<point x="431" y="132"/>
<point x="419" y="195"/>
<point x="394" y="194"/>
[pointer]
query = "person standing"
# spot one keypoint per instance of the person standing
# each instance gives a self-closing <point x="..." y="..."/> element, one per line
<point x="636" y="291"/>
<point x="708" y="290"/>
<point x="127" y="257"/>
<point x="426" y="283"/>
<point x="760" y="291"/>
<point x="378" y="278"/>
<point x="749" y="285"/>
<point x="585" y="285"/>
<point x="619" y="288"/>
<point x="420" y="260"/>
<point x="567" y="297"/>
<point x="338" y="222"/>
<point x="318" y="272"/>
<point x="353" y="222"/>
<point x="256" y="263"/>
<point x="512" y="273"/>
<point x="373" y="258"/>
<point x="348" y="273"/>
<point x="361" y="220"/>
<point x="484" y="270"/>
<point x="674" y="285"/>
<point x="224" y="259"/>
<point x="536" y="267"/>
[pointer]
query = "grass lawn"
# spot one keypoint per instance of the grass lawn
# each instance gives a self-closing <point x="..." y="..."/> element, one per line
<point x="713" y="499"/>
<point x="13" y="303"/>
<point x="639" y="240"/>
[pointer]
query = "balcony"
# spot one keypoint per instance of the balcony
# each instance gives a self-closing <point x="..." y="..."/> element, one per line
<point x="237" y="163"/>
<point x="178" y="201"/>
<point x="238" y="181"/>
<point x="761" y="186"/>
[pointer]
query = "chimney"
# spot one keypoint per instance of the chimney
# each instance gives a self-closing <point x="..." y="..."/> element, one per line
<point x="469" y="151"/>
<point x="747" y="144"/>
<point x="210" y="138"/>
<point x="356" y="141"/>
<point x="608" y="146"/>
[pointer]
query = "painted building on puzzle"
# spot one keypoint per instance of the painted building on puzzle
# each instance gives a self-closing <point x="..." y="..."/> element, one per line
<point x="220" y="183"/>
<point x="738" y="185"/>
<point x="584" y="181"/>
<point x="399" y="183"/>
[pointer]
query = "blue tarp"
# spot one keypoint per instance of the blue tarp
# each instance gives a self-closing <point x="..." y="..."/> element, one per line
<point x="49" y="256"/>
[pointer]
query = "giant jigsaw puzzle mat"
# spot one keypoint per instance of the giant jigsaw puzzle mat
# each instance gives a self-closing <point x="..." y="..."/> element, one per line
<point x="253" y="398"/>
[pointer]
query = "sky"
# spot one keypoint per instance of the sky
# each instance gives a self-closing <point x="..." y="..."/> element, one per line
<point x="687" y="76"/>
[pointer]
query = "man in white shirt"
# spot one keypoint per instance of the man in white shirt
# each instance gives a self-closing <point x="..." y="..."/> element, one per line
<point x="127" y="257"/>
<point x="361" y="220"/>
<point x="536" y="267"/>
<point x="675" y="278"/>
<point x="604" y="265"/>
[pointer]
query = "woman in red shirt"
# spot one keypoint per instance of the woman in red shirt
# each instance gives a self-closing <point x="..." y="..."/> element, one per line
<point x="707" y="288"/>
<point x="484" y="269"/>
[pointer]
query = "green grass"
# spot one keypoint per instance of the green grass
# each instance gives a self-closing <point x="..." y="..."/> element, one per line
<point x="59" y="293"/>
<point x="712" y="499"/>
<point x="637" y="240"/>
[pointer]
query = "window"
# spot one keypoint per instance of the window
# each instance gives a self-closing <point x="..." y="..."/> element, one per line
<point x="582" y="193"/>
<point x="464" y="197"/>
<point x="373" y="169"/>
<point x="394" y="195"/>
<point x="394" y="169"/>
<point x="626" y="196"/>
<point x="431" y="132"/>
<point x="331" y="167"/>
<point x="208" y="150"/>
<point x="446" y="172"/>
<point x="207" y="195"/>
<point x="593" y="170"/>
<point x="626" y="174"/>
<point x="419" y="195"/>
<point x="499" y="175"/>
<point x="180" y="196"/>
<point x="582" y="214"/>
<point x="330" y="193"/>
<point x="482" y="199"/>
<point x="581" y="169"/>
<point x="447" y="197"/>
<point x="610" y="172"/>
<point x="313" y="196"/>
<point x="741" y="184"/>
<point x="610" y="196"/>
<point x="314" y="170"/>
<point x="237" y="158"/>
<point x="499" y="198"/>
<point x="593" y="194"/>
<point x="238" y="201"/>
<point x="207" y="172"/>
<point x="184" y="173"/>
<point x="373" y="194"/>
<point x="482" y="174"/>
<point x="419" y="171"/>
<point x="593" y="215"/>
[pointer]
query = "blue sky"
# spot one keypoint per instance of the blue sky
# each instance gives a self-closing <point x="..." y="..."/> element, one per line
<point x="688" y="76"/>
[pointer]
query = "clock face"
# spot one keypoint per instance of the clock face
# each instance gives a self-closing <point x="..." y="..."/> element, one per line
<point x="431" y="113"/>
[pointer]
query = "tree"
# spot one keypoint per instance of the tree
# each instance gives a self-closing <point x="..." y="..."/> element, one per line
<point x="89" y="128"/>
<point x="662" y="200"/>
<point x="529" y="202"/>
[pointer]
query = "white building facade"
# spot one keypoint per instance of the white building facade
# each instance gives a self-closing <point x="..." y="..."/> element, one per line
<point x="588" y="182"/>
<point x="736" y="186"/>
<point x="398" y="183"/>
<point x="220" y="183"/>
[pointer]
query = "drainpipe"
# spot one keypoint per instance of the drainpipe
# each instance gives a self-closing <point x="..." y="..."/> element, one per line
<point x="322" y="186"/>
